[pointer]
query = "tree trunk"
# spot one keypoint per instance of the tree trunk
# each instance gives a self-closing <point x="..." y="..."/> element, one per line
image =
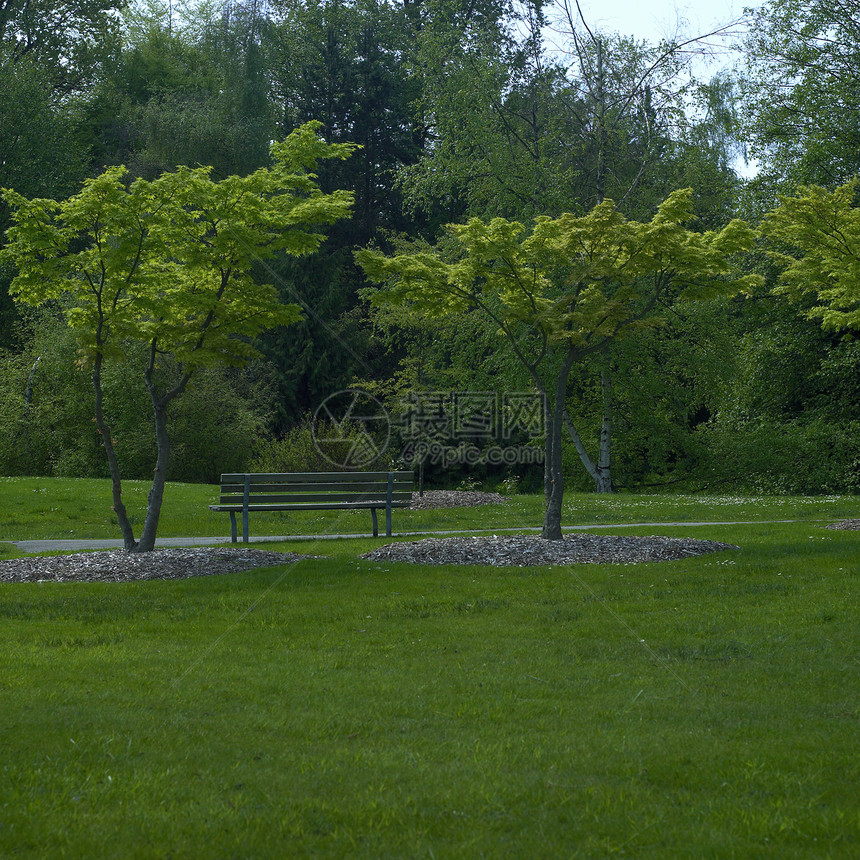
<point x="603" y="483"/>
<point x="554" y="486"/>
<point x="159" y="479"/>
<point x="600" y="112"/>
<point x="584" y="456"/>
<point x="600" y="472"/>
<point x="129" y="543"/>
<point x="160" y="404"/>
<point x="547" y="462"/>
<point x="28" y="401"/>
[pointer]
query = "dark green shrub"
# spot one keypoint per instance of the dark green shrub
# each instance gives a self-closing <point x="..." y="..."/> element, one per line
<point x="299" y="450"/>
<point x="789" y="457"/>
<point x="47" y="427"/>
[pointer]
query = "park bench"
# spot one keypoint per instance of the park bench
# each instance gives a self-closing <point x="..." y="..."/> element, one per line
<point x="313" y="491"/>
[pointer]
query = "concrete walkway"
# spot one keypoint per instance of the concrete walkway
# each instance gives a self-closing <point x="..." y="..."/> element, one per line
<point x="66" y="545"/>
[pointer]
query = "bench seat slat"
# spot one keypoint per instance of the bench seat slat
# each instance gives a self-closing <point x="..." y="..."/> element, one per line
<point x="313" y="491"/>
<point x="316" y="506"/>
<point x="290" y="499"/>
<point x="377" y="487"/>
<point x="314" y="477"/>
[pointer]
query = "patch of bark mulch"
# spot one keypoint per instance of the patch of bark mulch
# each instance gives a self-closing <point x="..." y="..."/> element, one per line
<point x="121" y="566"/>
<point x="454" y="499"/>
<point x="522" y="550"/>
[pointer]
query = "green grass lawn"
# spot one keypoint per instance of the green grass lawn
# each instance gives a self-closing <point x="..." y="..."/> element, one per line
<point x="46" y="508"/>
<point x="708" y="707"/>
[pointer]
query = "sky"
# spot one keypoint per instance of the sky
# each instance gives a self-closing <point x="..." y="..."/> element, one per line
<point x="654" y="19"/>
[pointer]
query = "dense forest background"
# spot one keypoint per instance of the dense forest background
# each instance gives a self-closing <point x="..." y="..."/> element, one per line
<point x="462" y="108"/>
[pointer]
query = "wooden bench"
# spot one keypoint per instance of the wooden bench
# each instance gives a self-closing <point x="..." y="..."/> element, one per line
<point x="313" y="491"/>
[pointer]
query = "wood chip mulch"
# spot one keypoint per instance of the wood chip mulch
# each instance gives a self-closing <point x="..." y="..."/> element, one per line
<point x="454" y="499"/>
<point x="522" y="550"/>
<point x="121" y="566"/>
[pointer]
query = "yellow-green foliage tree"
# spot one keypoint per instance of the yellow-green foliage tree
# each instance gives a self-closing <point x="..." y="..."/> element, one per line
<point x="815" y="237"/>
<point x="564" y="290"/>
<point x="168" y="263"/>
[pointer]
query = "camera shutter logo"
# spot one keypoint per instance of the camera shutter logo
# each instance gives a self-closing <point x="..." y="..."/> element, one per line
<point x="351" y="429"/>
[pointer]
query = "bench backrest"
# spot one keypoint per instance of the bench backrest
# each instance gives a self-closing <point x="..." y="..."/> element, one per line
<point x="308" y="487"/>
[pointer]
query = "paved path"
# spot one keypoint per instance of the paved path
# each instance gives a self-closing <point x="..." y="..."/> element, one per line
<point x="36" y="546"/>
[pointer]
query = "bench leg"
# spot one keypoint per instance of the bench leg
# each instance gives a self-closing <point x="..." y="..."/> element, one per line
<point x="388" y="495"/>
<point x="375" y="524"/>
<point x="245" y="497"/>
<point x="233" y="535"/>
